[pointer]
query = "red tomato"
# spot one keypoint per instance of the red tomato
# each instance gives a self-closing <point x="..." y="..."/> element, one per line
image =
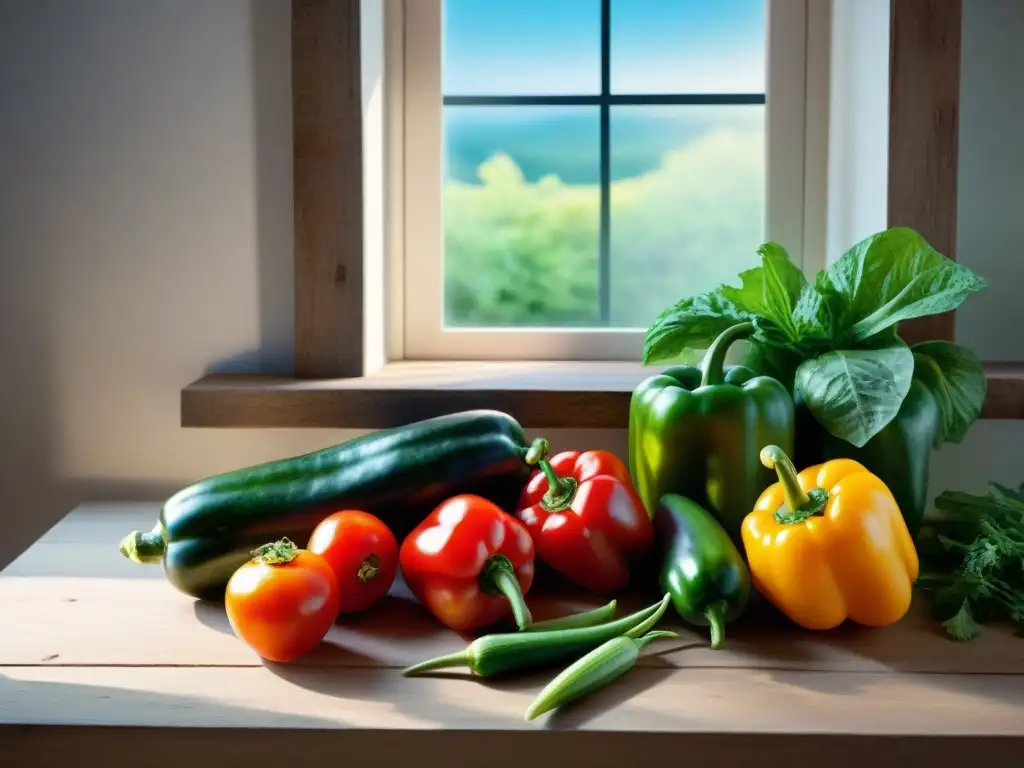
<point x="362" y="552"/>
<point x="282" y="602"/>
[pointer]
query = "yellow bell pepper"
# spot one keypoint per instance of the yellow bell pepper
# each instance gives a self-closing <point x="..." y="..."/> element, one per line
<point x="830" y="544"/>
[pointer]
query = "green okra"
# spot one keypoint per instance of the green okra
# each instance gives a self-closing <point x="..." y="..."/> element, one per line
<point x="494" y="654"/>
<point x="595" y="670"/>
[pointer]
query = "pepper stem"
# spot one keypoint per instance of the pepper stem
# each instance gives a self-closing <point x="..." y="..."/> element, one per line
<point x="276" y="552"/>
<point x="460" y="659"/>
<point x="715" y="615"/>
<point x="561" y="490"/>
<point x="800" y="504"/>
<point x="714" y="359"/>
<point x="499" y="578"/>
<point x="144" y="547"/>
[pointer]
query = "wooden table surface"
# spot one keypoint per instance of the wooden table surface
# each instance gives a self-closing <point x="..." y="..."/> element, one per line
<point x="101" y="656"/>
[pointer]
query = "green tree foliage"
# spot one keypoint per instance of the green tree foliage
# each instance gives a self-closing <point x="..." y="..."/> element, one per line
<point x="526" y="254"/>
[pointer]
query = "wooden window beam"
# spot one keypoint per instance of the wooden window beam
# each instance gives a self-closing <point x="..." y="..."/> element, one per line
<point x="328" y="158"/>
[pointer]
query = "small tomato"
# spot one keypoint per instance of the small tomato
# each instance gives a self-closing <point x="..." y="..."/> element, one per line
<point x="283" y="601"/>
<point x="363" y="553"/>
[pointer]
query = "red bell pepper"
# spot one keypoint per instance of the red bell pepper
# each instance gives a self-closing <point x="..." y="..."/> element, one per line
<point x="470" y="564"/>
<point x="586" y="519"/>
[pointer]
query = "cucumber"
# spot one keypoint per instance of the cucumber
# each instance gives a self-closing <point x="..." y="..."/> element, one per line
<point x="208" y="529"/>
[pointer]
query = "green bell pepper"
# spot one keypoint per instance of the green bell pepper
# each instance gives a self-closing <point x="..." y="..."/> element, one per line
<point x="697" y="432"/>
<point x="900" y="455"/>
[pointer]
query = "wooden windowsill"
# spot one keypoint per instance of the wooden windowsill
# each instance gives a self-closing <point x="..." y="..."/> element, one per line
<point x="552" y="395"/>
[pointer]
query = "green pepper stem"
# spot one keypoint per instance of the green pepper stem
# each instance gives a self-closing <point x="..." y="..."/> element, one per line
<point x="561" y="490"/>
<point x="460" y="659"/>
<point x="799" y="505"/>
<point x="714" y="359"/>
<point x="715" y="615"/>
<point x="499" y="578"/>
<point x="144" y="547"/>
<point x="538" y="449"/>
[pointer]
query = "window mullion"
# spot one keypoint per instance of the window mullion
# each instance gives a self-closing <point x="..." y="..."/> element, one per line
<point x="604" y="255"/>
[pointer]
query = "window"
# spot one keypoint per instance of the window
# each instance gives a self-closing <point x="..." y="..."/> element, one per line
<point x="572" y="168"/>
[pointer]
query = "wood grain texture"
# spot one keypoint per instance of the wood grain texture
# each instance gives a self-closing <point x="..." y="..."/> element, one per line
<point x="104" y="643"/>
<point x="923" y="134"/>
<point x="545" y="395"/>
<point x="327" y="126"/>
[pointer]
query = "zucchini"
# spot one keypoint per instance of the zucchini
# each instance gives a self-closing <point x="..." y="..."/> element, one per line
<point x="208" y="530"/>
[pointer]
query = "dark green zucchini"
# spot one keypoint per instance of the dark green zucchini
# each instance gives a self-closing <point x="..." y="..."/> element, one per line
<point x="208" y="529"/>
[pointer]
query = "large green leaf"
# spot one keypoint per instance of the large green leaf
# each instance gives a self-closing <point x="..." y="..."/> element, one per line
<point x="854" y="394"/>
<point x="892" y="276"/>
<point x="688" y="326"/>
<point x="778" y="294"/>
<point x="957" y="379"/>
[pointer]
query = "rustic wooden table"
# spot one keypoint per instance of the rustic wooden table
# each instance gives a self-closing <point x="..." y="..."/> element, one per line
<point x="102" y="658"/>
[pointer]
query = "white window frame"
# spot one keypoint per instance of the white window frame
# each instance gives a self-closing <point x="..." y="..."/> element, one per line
<point x="796" y="154"/>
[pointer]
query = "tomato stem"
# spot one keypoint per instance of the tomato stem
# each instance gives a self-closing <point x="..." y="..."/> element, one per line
<point x="368" y="568"/>
<point x="276" y="552"/>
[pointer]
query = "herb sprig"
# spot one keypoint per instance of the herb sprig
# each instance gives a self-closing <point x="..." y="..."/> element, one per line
<point x="972" y="559"/>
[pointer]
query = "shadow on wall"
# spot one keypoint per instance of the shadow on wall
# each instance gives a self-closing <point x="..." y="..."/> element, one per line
<point x="272" y="166"/>
<point x="85" y="143"/>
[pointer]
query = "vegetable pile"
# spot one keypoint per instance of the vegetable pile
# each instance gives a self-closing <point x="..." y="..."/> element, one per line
<point x="860" y="391"/>
<point x="709" y="509"/>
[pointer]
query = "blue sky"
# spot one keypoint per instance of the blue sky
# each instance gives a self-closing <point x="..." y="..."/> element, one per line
<point x="544" y="47"/>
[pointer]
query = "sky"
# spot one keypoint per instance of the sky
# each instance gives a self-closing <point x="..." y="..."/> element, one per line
<point x="545" y="47"/>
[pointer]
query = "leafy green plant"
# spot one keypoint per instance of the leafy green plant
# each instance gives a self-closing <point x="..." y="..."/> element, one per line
<point x="972" y="559"/>
<point x="834" y="341"/>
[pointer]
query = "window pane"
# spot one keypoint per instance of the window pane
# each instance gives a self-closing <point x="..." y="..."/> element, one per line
<point x="531" y="47"/>
<point x="687" y="202"/>
<point x="521" y="216"/>
<point x="688" y="46"/>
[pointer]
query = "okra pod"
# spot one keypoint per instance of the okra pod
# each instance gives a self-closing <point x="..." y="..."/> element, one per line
<point x="494" y="654"/>
<point x="575" y="620"/>
<point x="597" y="669"/>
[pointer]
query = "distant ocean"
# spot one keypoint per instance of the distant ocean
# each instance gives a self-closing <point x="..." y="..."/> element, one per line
<point x="565" y="140"/>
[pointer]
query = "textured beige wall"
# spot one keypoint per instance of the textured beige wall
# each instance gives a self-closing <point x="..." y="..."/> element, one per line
<point x="145" y="237"/>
